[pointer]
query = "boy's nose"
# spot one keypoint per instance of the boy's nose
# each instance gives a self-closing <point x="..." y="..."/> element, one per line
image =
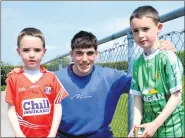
<point x="84" y="57"/>
<point x="32" y="54"/>
<point x="141" y="34"/>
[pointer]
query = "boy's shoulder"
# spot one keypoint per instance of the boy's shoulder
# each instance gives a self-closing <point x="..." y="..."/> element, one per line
<point x="138" y="60"/>
<point x="168" y="55"/>
<point x="46" y="72"/>
<point x="49" y="73"/>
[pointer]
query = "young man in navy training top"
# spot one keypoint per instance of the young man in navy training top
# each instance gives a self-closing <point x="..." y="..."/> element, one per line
<point x="93" y="91"/>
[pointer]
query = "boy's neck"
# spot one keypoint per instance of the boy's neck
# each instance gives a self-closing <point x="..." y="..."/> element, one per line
<point x="152" y="49"/>
<point x="31" y="70"/>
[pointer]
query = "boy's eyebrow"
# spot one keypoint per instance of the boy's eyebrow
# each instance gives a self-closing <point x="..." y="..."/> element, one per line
<point x="134" y="28"/>
<point x="84" y="51"/>
<point x="141" y="27"/>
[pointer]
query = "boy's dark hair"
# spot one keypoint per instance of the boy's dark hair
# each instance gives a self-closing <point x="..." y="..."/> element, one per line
<point x="30" y="32"/>
<point x="146" y="11"/>
<point x="83" y="40"/>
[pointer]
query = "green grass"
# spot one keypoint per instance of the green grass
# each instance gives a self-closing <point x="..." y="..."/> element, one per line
<point x="3" y="87"/>
<point x="119" y="123"/>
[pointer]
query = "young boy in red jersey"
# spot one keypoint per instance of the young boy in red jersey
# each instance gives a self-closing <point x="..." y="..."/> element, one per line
<point x="34" y="94"/>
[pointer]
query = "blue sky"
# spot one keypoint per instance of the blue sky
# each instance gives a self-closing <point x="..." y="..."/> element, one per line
<point x="61" y="20"/>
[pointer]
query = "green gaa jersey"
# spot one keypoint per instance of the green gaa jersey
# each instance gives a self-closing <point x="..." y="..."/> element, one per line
<point x="155" y="78"/>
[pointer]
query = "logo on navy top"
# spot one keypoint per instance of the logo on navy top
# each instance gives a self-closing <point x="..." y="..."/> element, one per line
<point x="47" y="89"/>
<point x="80" y="96"/>
<point x="37" y="106"/>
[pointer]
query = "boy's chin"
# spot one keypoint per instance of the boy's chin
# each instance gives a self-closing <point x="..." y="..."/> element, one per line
<point x="32" y="67"/>
<point x="85" y="71"/>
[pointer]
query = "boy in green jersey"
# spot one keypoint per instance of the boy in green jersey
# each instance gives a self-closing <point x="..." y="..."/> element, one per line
<point x="157" y="80"/>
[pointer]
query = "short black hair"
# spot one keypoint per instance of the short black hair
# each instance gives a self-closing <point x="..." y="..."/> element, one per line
<point x="84" y="39"/>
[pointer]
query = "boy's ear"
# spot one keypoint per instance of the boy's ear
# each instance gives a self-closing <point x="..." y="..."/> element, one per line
<point x="45" y="51"/>
<point x="97" y="55"/>
<point x="160" y="25"/>
<point x="71" y="53"/>
<point x="18" y="51"/>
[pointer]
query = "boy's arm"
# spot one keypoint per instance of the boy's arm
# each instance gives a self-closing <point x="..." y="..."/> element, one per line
<point x="138" y="109"/>
<point x="14" y="121"/>
<point x="56" y="120"/>
<point x="173" y="102"/>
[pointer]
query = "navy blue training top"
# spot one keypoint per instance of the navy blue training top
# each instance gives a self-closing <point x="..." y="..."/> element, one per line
<point x="92" y="99"/>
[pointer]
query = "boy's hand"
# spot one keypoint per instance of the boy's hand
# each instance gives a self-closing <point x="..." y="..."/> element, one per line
<point x="15" y="70"/>
<point x="132" y="133"/>
<point x="167" y="45"/>
<point x="149" y="129"/>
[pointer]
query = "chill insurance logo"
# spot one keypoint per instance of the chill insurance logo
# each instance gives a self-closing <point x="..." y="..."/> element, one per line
<point x="37" y="106"/>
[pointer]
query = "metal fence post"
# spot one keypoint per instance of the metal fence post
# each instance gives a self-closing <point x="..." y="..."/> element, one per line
<point x="130" y="65"/>
<point x="59" y="63"/>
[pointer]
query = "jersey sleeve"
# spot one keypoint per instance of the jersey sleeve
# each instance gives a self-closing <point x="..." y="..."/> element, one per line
<point x="122" y="81"/>
<point x="173" y="72"/>
<point x="125" y="82"/>
<point x="10" y="91"/>
<point x="60" y="91"/>
<point x="134" y="83"/>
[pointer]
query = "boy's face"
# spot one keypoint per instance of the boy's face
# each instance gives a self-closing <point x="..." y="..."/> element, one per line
<point x="145" y="31"/>
<point x="31" y="51"/>
<point x="83" y="60"/>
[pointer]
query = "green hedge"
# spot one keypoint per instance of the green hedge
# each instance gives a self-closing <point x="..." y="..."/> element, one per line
<point x="5" y="68"/>
<point x="3" y="87"/>
<point x="120" y="65"/>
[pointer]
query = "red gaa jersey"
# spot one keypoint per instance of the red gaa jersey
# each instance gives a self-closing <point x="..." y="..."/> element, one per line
<point x="34" y="102"/>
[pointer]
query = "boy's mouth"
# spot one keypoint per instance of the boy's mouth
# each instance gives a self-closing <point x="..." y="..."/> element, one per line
<point x="32" y="61"/>
<point x="85" y="65"/>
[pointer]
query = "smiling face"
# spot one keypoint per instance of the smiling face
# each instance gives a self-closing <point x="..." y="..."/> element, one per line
<point x="31" y="51"/>
<point x="145" y="32"/>
<point x="83" y="60"/>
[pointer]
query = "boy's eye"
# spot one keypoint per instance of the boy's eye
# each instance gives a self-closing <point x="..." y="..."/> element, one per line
<point x="25" y="50"/>
<point x="90" y="53"/>
<point x="145" y="29"/>
<point x="134" y="31"/>
<point x="37" y="50"/>
<point x="79" y="53"/>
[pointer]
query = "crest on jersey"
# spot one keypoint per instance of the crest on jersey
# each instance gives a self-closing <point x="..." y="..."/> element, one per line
<point x="47" y="89"/>
<point x="157" y="75"/>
